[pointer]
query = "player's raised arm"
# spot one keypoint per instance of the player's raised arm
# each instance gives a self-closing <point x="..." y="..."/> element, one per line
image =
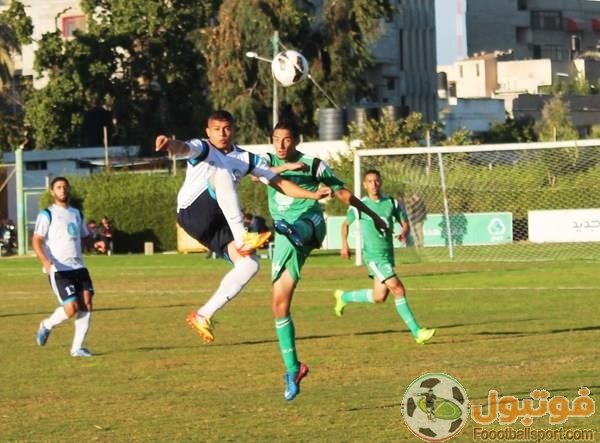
<point x="350" y="199"/>
<point x="173" y="147"/>
<point x="291" y="189"/>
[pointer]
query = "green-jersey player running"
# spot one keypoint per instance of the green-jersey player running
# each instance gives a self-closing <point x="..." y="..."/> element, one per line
<point x="300" y="228"/>
<point x="378" y="254"/>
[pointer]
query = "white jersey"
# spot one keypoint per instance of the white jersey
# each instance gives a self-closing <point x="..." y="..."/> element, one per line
<point x="62" y="229"/>
<point x="204" y="158"/>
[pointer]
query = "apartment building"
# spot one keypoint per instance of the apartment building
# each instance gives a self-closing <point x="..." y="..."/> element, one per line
<point x="558" y="30"/>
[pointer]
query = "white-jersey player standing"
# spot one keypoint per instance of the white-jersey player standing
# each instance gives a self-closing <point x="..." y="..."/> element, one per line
<point x="208" y="207"/>
<point x="57" y="237"/>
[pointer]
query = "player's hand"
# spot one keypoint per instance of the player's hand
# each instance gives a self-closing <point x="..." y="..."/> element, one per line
<point x="323" y="192"/>
<point x="401" y="237"/>
<point x="297" y="166"/>
<point x="161" y="143"/>
<point x="345" y="253"/>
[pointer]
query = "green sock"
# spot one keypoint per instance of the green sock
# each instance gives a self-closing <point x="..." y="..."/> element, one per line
<point x="360" y="296"/>
<point x="407" y="315"/>
<point x="287" y="342"/>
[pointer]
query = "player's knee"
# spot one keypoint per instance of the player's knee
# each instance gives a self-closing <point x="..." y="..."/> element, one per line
<point x="71" y="308"/>
<point x="251" y="264"/>
<point x="380" y="298"/>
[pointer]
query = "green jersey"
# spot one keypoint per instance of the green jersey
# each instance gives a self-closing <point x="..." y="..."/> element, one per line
<point x="283" y="207"/>
<point x="374" y="242"/>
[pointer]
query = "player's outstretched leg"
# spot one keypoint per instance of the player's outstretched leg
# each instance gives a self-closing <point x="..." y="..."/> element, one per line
<point x="421" y="335"/>
<point x="203" y="326"/>
<point x="342" y="298"/>
<point x="231" y="285"/>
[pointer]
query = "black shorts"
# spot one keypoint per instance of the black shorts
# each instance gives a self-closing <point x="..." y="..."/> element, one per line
<point x="204" y="221"/>
<point x="69" y="285"/>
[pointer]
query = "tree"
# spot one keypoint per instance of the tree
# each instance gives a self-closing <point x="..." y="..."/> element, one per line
<point x="15" y="30"/>
<point x="519" y="130"/>
<point x="136" y="59"/>
<point x="335" y="44"/>
<point x="554" y="125"/>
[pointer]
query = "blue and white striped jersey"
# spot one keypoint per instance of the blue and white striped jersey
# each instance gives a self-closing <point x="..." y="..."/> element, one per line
<point x="204" y="158"/>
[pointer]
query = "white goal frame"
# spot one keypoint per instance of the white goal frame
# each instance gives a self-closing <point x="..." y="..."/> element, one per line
<point x="438" y="151"/>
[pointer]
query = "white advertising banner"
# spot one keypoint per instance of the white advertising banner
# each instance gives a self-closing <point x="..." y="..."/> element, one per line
<point x="564" y="225"/>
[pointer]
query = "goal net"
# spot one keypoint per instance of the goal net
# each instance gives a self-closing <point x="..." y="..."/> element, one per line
<point x="506" y="202"/>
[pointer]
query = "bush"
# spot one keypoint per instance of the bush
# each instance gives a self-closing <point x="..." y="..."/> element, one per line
<point x="141" y="206"/>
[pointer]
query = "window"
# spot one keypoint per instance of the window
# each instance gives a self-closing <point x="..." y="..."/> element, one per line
<point x="522" y="34"/>
<point x="36" y="166"/>
<point x="477" y="69"/>
<point x="522" y="5"/>
<point x="554" y="52"/>
<point x="460" y="71"/>
<point x="546" y="20"/>
<point x="72" y="23"/>
<point x="390" y="83"/>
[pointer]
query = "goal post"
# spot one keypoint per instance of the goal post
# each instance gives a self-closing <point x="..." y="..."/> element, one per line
<point x="502" y="202"/>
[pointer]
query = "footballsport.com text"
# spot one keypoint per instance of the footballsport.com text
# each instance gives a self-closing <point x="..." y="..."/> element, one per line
<point x="529" y="434"/>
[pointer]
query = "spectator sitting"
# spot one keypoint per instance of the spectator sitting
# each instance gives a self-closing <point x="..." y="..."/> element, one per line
<point x="90" y="245"/>
<point x="255" y="223"/>
<point x="104" y="244"/>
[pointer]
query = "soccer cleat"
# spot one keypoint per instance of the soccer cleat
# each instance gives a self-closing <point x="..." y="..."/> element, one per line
<point x="253" y="241"/>
<point x="292" y="382"/>
<point x="201" y="325"/>
<point x="42" y="335"/>
<point x="339" y="303"/>
<point x="81" y="352"/>
<point x="288" y="230"/>
<point x="424" y="335"/>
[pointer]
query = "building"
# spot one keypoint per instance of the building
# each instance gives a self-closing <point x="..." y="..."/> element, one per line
<point x="558" y="30"/>
<point x="46" y="16"/>
<point x="405" y="57"/>
<point x="42" y="166"/>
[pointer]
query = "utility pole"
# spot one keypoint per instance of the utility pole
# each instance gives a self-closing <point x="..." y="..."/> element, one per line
<point x="275" y="42"/>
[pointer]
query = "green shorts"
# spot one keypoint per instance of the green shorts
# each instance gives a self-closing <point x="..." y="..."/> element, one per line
<point x="380" y="266"/>
<point x="287" y="256"/>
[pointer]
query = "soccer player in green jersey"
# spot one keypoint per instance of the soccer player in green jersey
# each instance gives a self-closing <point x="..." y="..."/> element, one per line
<point x="300" y="228"/>
<point x="378" y="253"/>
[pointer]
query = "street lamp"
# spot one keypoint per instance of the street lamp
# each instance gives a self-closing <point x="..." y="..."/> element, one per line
<point x="252" y="54"/>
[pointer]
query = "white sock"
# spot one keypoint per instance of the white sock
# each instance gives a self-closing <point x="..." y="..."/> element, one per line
<point x="231" y="285"/>
<point x="57" y="317"/>
<point x="82" y="324"/>
<point x="229" y="202"/>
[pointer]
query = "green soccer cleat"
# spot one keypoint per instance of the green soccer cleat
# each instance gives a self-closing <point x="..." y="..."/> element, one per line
<point x="339" y="303"/>
<point x="424" y="335"/>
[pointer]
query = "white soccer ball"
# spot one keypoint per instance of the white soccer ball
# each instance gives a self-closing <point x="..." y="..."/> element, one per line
<point x="289" y="67"/>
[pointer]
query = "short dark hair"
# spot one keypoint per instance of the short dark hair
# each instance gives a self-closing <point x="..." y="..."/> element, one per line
<point x="59" y="179"/>
<point x="221" y="115"/>
<point x="288" y="125"/>
<point x="372" y="171"/>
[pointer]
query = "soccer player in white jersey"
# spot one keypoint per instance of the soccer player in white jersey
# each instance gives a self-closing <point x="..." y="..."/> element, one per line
<point x="57" y="238"/>
<point x="208" y="207"/>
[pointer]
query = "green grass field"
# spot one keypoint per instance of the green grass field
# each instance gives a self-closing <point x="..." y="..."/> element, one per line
<point x="512" y="327"/>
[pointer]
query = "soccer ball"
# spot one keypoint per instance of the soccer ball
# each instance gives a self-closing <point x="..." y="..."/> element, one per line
<point x="289" y="67"/>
